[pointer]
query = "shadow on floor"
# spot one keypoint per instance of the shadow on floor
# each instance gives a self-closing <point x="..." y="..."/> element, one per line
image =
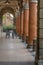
<point x="16" y="63"/>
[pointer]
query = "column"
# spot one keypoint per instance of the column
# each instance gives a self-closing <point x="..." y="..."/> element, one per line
<point x="32" y="21"/>
<point x="26" y="19"/>
<point x="0" y="25"/>
<point x="17" y="29"/>
<point x="18" y="22"/>
<point x="22" y="13"/>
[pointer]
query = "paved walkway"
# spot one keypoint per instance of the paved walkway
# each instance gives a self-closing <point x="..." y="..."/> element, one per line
<point x="13" y="50"/>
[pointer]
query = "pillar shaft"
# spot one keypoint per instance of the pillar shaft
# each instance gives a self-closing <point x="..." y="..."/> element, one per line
<point x="17" y="29"/>
<point x="26" y="19"/>
<point x="26" y="29"/>
<point x="33" y="21"/>
<point x="19" y="25"/>
<point x="22" y="13"/>
<point x="0" y="19"/>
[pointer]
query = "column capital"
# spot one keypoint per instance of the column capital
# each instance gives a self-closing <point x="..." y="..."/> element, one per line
<point x="17" y="13"/>
<point x="35" y="1"/>
<point x="26" y="5"/>
<point x="22" y="11"/>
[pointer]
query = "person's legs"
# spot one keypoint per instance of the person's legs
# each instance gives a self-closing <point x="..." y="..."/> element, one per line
<point x="13" y="35"/>
<point x="8" y="34"/>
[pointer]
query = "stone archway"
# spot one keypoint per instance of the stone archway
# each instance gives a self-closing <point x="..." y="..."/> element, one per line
<point x="5" y="10"/>
<point x="10" y="11"/>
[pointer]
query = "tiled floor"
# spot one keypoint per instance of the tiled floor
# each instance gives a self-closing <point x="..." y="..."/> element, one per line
<point x="13" y="50"/>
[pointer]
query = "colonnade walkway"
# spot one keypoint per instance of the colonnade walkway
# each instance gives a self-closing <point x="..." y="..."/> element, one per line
<point x="14" y="52"/>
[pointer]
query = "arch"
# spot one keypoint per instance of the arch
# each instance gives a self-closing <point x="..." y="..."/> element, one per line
<point x="7" y="9"/>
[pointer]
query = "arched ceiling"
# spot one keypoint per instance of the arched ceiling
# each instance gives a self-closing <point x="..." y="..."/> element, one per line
<point x="10" y="4"/>
<point x="7" y="9"/>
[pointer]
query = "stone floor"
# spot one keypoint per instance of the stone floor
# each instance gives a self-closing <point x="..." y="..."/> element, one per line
<point x="14" y="52"/>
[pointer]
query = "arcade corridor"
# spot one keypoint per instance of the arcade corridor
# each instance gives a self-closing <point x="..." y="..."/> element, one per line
<point x="21" y="32"/>
<point x="14" y="18"/>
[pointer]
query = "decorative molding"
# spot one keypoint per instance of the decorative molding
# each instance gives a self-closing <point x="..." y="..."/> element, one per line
<point x="26" y="6"/>
<point x="17" y="13"/>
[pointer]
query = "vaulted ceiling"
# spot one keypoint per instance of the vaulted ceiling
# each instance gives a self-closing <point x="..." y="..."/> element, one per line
<point x="8" y="5"/>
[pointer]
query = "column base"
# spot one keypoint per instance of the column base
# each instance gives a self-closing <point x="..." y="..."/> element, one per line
<point x="17" y="34"/>
<point x="27" y="39"/>
<point x="36" y="63"/>
<point x="34" y="44"/>
<point x="22" y="37"/>
<point x="19" y="37"/>
<point x="29" y="46"/>
<point x="22" y="40"/>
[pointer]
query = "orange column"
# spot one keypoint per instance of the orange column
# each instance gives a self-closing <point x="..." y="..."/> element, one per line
<point x="17" y="29"/>
<point x="26" y="19"/>
<point x="22" y="13"/>
<point x="18" y="23"/>
<point x="33" y="21"/>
